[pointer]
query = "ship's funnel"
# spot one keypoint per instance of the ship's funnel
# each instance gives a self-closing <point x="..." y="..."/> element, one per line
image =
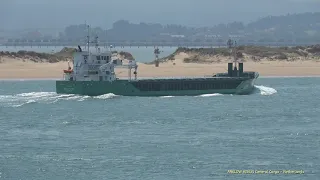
<point x="230" y="67"/>
<point x="240" y="69"/>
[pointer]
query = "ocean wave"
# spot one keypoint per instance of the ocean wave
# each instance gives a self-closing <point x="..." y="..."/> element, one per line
<point x="22" y="99"/>
<point x="264" y="90"/>
<point x="106" y="96"/>
<point x="166" y="96"/>
<point x="210" y="95"/>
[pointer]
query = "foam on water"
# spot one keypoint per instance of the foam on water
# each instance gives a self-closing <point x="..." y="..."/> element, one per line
<point x="106" y="96"/>
<point x="210" y="95"/>
<point x="166" y="96"/>
<point x="18" y="100"/>
<point x="27" y="102"/>
<point x="264" y="90"/>
<point x="202" y="95"/>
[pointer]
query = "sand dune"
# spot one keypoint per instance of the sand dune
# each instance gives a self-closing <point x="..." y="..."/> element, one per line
<point x="13" y="68"/>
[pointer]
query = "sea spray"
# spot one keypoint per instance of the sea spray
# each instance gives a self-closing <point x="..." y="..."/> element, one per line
<point x="106" y="96"/>
<point x="21" y="99"/>
<point x="210" y="95"/>
<point x="166" y="96"/>
<point x="264" y="90"/>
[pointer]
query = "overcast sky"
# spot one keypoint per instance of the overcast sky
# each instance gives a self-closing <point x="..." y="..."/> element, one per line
<point x="60" y="13"/>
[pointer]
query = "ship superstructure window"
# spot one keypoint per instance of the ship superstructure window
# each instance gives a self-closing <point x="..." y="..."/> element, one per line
<point x="92" y="72"/>
<point x="107" y="58"/>
<point x="98" y="58"/>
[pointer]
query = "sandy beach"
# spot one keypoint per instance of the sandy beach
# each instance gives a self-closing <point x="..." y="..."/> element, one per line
<point x="13" y="68"/>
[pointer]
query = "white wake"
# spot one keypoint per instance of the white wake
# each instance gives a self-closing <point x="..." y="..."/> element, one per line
<point x="166" y="96"/>
<point x="266" y="90"/>
<point x="18" y="100"/>
<point x="106" y="96"/>
<point x="210" y="95"/>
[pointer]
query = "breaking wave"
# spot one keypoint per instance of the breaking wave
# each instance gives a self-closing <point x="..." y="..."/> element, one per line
<point x="105" y="96"/>
<point x="44" y="97"/>
<point x="166" y="96"/>
<point x="202" y="95"/>
<point x="264" y="90"/>
<point x="210" y="95"/>
<point x="18" y="100"/>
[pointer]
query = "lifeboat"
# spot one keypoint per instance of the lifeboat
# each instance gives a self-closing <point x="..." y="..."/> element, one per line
<point x="68" y="71"/>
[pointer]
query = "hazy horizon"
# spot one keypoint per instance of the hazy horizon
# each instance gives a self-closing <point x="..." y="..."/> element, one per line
<point x="23" y="14"/>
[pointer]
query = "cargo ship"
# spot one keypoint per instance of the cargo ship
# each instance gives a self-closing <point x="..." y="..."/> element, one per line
<point x="93" y="74"/>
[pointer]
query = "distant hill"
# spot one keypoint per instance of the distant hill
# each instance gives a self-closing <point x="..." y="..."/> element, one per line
<point x="296" y="26"/>
<point x="16" y="14"/>
<point x="303" y="27"/>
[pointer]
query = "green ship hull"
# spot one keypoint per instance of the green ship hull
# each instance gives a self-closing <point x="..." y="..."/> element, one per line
<point x="93" y="74"/>
<point x="159" y="87"/>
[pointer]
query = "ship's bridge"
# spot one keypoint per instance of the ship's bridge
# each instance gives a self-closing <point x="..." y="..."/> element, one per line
<point x="97" y="66"/>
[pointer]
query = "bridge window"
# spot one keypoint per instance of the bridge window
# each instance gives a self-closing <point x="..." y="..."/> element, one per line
<point x="92" y="72"/>
<point x="98" y="58"/>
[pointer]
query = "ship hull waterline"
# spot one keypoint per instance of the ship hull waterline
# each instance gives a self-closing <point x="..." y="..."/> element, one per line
<point x="126" y="88"/>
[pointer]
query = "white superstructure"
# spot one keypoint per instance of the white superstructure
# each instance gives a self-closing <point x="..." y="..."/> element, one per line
<point x="96" y="66"/>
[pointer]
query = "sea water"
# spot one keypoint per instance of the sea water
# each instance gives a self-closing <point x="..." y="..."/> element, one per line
<point x="273" y="133"/>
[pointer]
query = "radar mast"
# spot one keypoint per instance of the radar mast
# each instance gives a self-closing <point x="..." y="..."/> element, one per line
<point x="156" y="54"/>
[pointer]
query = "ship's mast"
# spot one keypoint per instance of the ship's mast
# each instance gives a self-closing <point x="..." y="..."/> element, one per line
<point x="107" y="39"/>
<point x="232" y="46"/>
<point x="88" y="39"/>
<point x="156" y="53"/>
<point x="97" y="44"/>
<point x="235" y="59"/>
<point x="88" y="42"/>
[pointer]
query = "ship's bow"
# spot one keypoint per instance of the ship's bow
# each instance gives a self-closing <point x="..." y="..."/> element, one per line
<point x="247" y="86"/>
